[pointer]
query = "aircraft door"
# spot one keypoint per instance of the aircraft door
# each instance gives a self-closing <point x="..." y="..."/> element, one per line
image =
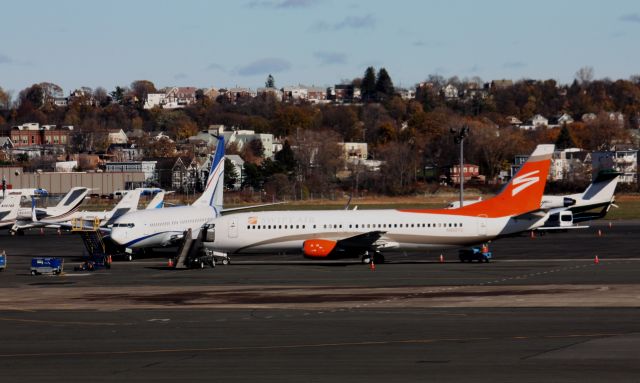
<point x="233" y="227"/>
<point x="482" y="227"/>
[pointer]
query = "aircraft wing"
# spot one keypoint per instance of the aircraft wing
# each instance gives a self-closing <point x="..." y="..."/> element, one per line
<point x="225" y="211"/>
<point x="358" y="244"/>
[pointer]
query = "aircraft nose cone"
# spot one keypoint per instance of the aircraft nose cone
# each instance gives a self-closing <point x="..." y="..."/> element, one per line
<point x="117" y="236"/>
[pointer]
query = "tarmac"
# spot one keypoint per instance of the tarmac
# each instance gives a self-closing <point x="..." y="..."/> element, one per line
<point x="543" y="309"/>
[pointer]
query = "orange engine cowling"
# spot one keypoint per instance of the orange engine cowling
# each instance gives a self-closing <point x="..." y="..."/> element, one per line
<point x="318" y="248"/>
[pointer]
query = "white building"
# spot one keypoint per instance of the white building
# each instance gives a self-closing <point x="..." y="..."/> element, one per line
<point x="295" y="93"/>
<point x="155" y="100"/>
<point x="569" y="165"/>
<point x="535" y="122"/>
<point x="146" y="167"/>
<point x="623" y="160"/>
<point x="238" y="164"/>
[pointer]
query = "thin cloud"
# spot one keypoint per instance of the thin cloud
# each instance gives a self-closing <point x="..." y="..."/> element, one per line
<point x="282" y="4"/>
<point x="475" y="69"/>
<point x="349" y="22"/>
<point x="179" y="76"/>
<point x="428" y="43"/>
<point x="329" y="58"/>
<point x="4" y="59"/>
<point x="514" y="65"/>
<point x="214" y="66"/>
<point x="356" y="22"/>
<point x="264" y="66"/>
<point x="630" y="18"/>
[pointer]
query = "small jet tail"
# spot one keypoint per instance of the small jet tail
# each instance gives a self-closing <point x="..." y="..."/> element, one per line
<point x="73" y="198"/>
<point x="157" y="202"/>
<point x="522" y="194"/>
<point x="9" y="207"/>
<point x="213" y="192"/>
<point x="603" y="187"/>
<point x="129" y="202"/>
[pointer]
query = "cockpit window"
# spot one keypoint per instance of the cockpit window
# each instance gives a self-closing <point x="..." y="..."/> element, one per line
<point x="129" y="225"/>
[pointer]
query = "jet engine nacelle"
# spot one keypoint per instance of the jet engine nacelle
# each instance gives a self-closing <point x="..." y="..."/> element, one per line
<point x="318" y="248"/>
<point x="554" y="202"/>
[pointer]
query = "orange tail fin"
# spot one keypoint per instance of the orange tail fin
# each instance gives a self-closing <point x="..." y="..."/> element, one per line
<point x="523" y="193"/>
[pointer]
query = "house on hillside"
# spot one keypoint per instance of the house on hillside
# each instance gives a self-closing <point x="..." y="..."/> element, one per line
<point x="535" y="122"/>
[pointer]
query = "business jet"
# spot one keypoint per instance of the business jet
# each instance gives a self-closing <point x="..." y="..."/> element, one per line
<point x="28" y="192"/>
<point x="9" y="208"/>
<point x="566" y="210"/>
<point x="151" y="228"/>
<point x="366" y="233"/>
<point x="62" y="211"/>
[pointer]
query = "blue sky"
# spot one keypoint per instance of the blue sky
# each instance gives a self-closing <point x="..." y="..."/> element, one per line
<point x="198" y="43"/>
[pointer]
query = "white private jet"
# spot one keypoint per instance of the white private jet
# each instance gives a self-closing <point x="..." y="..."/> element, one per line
<point x="338" y="233"/>
<point x="9" y="208"/>
<point x="61" y="212"/>
<point x="151" y="228"/>
<point x="564" y="211"/>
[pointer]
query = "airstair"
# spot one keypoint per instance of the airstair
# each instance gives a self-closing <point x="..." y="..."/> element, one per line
<point x="92" y="238"/>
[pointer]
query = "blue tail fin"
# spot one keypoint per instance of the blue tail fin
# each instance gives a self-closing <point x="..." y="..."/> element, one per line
<point x="213" y="192"/>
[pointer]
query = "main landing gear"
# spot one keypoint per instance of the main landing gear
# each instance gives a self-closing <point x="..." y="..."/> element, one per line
<point x="376" y="256"/>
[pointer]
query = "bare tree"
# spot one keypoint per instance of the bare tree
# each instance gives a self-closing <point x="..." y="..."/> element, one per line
<point x="584" y="75"/>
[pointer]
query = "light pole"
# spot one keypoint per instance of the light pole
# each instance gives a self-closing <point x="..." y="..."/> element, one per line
<point x="458" y="137"/>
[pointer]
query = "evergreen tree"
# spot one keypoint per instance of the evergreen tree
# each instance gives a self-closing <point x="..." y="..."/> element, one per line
<point x="286" y="157"/>
<point x="230" y="174"/>
<point x="270" y="83"/>
<point x="384" y="85"/>
<point x="564" y="139"/>
<point x="368" y="87"/>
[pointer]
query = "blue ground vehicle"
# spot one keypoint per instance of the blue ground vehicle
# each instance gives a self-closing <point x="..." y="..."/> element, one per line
<point x="3" y="261"/>
<point x="46" y="265"/>
<point x="475" y="254"/>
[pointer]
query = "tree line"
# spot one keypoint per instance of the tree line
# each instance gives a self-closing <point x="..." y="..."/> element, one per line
<point x="410" y="136"/>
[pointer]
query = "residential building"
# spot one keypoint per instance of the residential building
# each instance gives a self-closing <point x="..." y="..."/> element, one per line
<point x="117" y="136"/>
<point x="346" y="93"/>
<point x="621" y="158"/>
<point x="295" y="93"/>
<point x="469" y="171"/>
<point x="33" y="134"/>
<point x="354" y="151"/>
<point x="264" y="92"/>
<point x="450" y="92"/>
<point x="560" y="120"/>
<point x="572" y="164"/>
<point x="155" y="100"/>
<point x="239" y="137"/>
<point x="535" y="122"/>
<point x="180" y="96"/>
<point x="316" y="95"/>
<point x="513" y="121"/>
<point x="501" y="84"/>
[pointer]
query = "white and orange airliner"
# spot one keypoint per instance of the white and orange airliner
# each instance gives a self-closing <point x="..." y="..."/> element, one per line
<point x="365" y="233"/>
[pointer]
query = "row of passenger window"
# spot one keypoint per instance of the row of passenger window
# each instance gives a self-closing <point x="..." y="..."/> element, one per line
<point x="358" y="226"/>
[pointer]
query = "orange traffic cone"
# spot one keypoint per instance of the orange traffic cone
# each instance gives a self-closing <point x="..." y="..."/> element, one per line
<point x="599" y="233"/>
<point x="596" y="260"/>
<point x="372" y="265"/>
<point x="441" y="258"/>
<point x="170" y="263"/>
<point x="41" y="231"/>
<point x="532" y="235"/>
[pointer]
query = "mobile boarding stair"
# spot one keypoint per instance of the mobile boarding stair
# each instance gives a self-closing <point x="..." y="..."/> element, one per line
<point x="89" y="231"/>
<point x="192" y="254"/>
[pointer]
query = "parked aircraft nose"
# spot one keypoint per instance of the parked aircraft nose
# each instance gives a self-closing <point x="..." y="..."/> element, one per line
<point x="119" y="236"/>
